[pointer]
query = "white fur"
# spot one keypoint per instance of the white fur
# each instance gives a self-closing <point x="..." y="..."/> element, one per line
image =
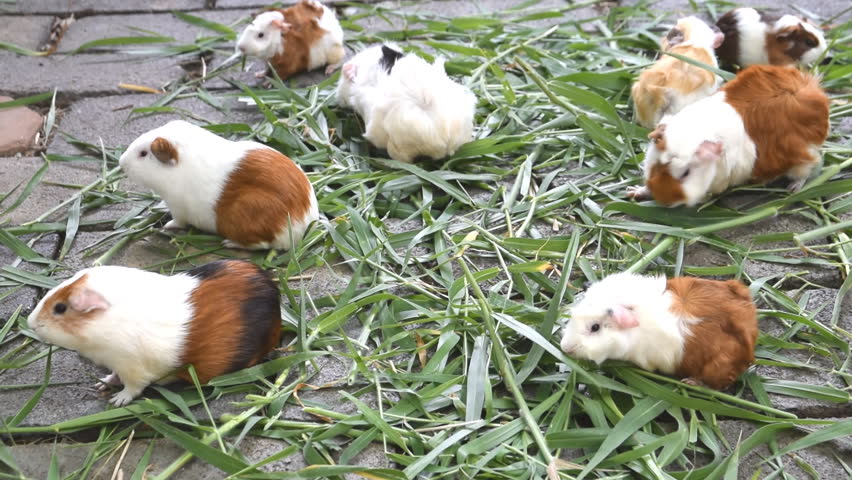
<point x="250" y="43"/>
<point x="415" y="110"/>
<point x="657" y="343"/>
<point x="140" y="336"/>
<point x="192" y="187"/>
<point x="329" y="50"/>
<point x="711" y="119"/>
<point x="752" y="37"/>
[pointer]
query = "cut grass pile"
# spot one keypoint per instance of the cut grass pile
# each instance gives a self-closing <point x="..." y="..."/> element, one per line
<point x="458" y="274"/>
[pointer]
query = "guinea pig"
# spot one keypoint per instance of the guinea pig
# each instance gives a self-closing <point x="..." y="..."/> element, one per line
<point x="297" y="39"/>
<point x="767" y="122"/>
<point x="756" y="37"/>
<point x="671" y="84"/>
<point x="410" y="107"/>
<point x="147" y="328"/>
<point x="703" y="331"/>
<point x="249" y="193"/>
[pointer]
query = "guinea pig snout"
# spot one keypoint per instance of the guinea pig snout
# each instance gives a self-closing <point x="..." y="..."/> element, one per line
<point x="568" y="345"/>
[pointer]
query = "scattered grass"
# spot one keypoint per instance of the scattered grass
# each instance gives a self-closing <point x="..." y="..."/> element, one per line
<point x="454" y="277"/>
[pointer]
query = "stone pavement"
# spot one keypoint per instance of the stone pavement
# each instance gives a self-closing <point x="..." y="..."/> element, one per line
<point x="93" y="108"/>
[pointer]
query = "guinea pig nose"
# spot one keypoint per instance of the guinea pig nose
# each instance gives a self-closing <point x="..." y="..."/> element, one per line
<point x="609" y="312"/>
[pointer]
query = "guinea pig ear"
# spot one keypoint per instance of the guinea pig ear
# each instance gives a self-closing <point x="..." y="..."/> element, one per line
<point x="709" y="151"/>
<point x="624" y="317"/>
<point x="86" y="300"/>
<point x="718" y="39"/>
<point x="674" y="37"/>
<point x="164" y="151"/>
<point x="281" y="25"/>
<point x="658" y="136"/>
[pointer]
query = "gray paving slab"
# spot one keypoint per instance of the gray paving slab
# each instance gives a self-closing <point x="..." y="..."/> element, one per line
<point x="29" y="31"/>
<point x="12" y="295"/>
<point x="109" y="118"/>
<point x="83" y="74"/>
<point x="95" y="27"/>
<point x="61" y="7"/>
<point x="823" y="458"/>
<point x="821" y="9"/>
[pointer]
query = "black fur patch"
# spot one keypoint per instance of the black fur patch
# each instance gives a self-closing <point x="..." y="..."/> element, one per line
<point x="208" y="270"/>
<point x="261" y="311"/>
<point x="389" y="58"/>
<point x="728" y="52"/>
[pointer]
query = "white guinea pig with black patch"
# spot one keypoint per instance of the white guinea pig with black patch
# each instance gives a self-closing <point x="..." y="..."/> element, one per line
<point x="410" y="107"/>
<point x="756" y="37"/>
<point x="247" y="192"/>
<point x="146" y="327"/>
<point x="703" y="331"/>
<point x="297" y="39"/>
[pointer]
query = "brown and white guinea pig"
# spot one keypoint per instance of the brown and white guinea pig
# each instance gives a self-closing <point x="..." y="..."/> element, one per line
<point x="755" y="37"/>
<point x="410" y="107"/>
<point x="703" y="331"/>
<point x="671" y="84"/>
<point x="147" y="327"/>
<point x="766" y="123"/>
<point x="250" y="194"/>
<point x="297" y="39"/>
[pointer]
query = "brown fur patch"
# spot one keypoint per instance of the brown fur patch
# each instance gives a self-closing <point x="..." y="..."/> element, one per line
<point x="218" y="330"/>
<point x="304" y="32"/>
<point x="71" y="320"/>
<point x="784" y="111"/>
<point x="721" y="346"/>
<point x="664" y="188"/>
<point x="164" y="151"/>
<point x="786" y="46"/>
<point x="265" y="192"/>
<point x="650" y="90"/>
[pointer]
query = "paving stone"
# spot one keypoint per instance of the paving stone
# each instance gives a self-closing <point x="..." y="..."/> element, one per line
<point x="823" y="458"/>
<point x="95" y="27"/>
<point x="18" y="128"/>
<point x="13" y="295"/>
<point x="702" y="255"/>
<point x="83" y="74"/>
<point x="54" y="7"/>
<point x="822" y="8"/>
<point x="29" y="31"/>
<point x="108" y="118"/>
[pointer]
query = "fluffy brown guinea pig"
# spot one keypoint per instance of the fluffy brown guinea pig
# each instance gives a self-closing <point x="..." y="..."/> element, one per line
<point x="146" y="327"/>
<point x="703" y="331"/>
<point x="766" y="123"/>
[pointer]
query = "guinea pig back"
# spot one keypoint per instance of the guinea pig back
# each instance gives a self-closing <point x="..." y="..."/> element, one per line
<point x="721" y="340"/>
<point x="236" y="319"/>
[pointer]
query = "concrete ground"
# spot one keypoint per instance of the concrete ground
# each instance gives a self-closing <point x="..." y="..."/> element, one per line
<point x="93" y="108"/>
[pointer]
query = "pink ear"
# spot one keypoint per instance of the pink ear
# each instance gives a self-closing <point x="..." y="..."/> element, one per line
<point x="86" y="300"/>
<point x="624" y="317"/>
<point x="718" y="38"/>
<point x="709" y="151"/>
<point x="281" y="25"/>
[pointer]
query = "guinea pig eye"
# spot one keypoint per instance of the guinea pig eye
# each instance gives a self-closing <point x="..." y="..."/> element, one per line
<point x="143" y="153"/>
<point x="810" y="42"/>
<point x="684" y="174"/>
<point x="260" y="35"/>
<point x="60" y="308"/>
<point x="595" y="327"/>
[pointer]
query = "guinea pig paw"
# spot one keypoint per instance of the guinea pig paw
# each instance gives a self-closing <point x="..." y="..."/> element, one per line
<point x="350" y="71"/>
<point x="233" y="244"/>
<point x="121" y="398"/>
<point x="174" y="225"/>
<point x="692" y="381"/>
<point x="796" y="185"/>
<point x="331" y="68"/>
<point x="106" y="382"/>
<point x="638" y="192"/>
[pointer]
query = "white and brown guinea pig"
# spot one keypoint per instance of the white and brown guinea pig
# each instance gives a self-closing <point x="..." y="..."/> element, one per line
<point x="755" y="37"/>
<point x="250" y="194"/>
<point x="766" y="123"/>
<point x="147" y="327"/>
<point x="703" y="331"/>
<point x="410" y="107"/>
<point x="297" y="39"/>
<point x="671" y="84"/>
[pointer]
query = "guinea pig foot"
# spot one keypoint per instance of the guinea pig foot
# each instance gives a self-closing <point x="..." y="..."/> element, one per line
<point x="174" y="225"/>
<point x="693" y="382"/>
<point x="122" y="398"/>
<point x="638" y="192"/>
<point x="331" y="68"/>
<point x="232" y="244"/>
<point x="796" y="185"/>
<point x="350" y="70"/>
<point x="110" y="380"/>
<point x="259" y="74"/>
